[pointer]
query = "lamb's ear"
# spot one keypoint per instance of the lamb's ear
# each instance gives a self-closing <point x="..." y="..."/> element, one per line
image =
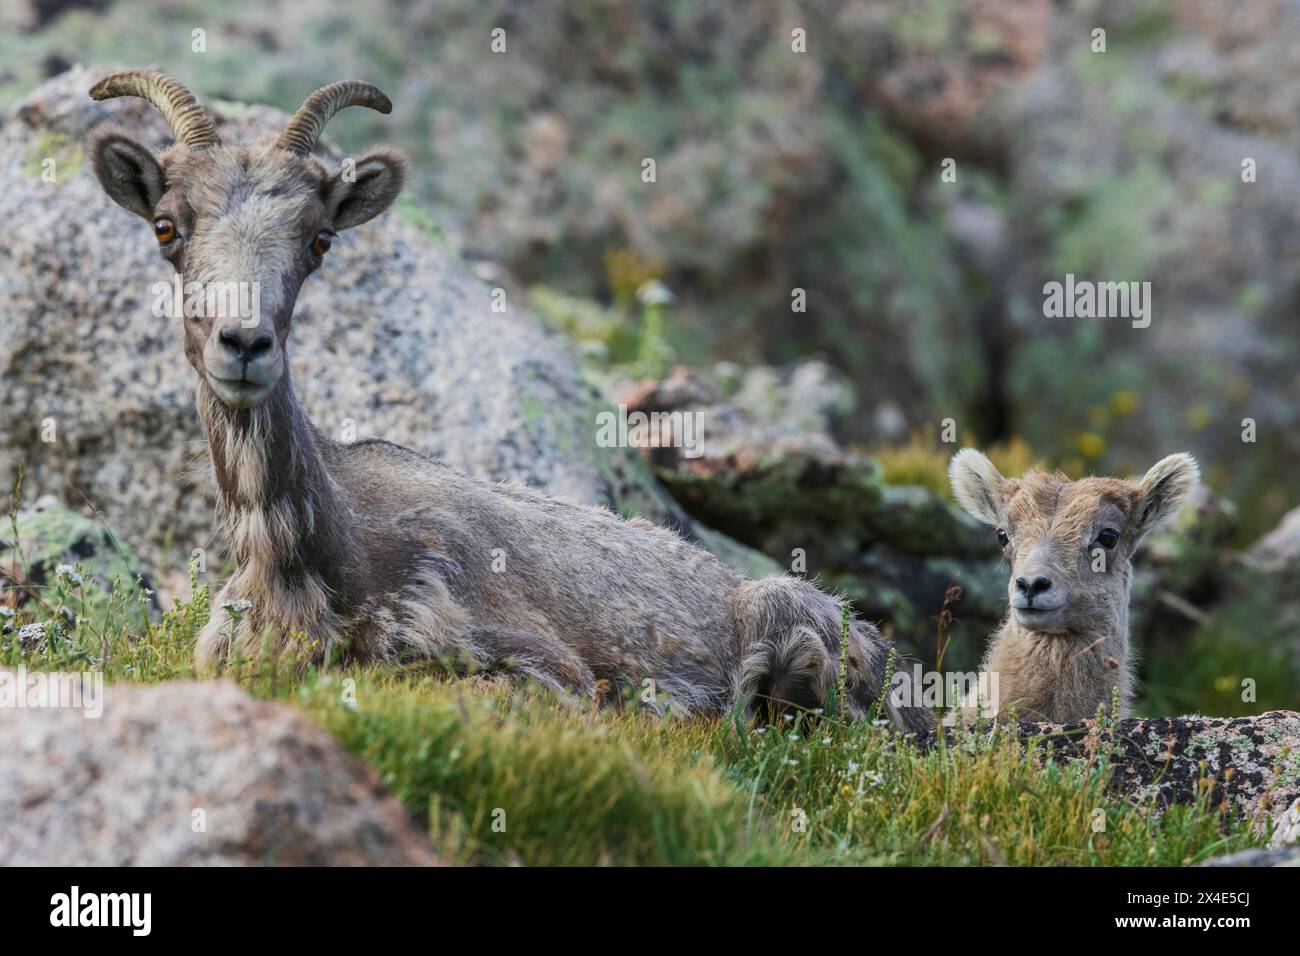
<point x="358" y="193"/>
<point x="978" y="485"/>
<point x="127" y="172"/>
<point x="1163" y="491"/>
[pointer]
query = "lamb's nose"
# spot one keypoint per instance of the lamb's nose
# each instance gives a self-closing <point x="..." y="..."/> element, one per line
<point x="247" y="344"/>
<point x="1037" y="587"/>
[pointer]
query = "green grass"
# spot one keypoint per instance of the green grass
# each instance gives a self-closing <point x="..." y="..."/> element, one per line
<point x="501" y="774"/>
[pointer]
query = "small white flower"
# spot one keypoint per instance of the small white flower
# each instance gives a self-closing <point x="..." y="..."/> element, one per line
<point x="826" y="740"/>
<point x="853" y="766"/>
<point x="654" y="292"/>
<point x="68" y="573"/>
<point x="31" y="634"/>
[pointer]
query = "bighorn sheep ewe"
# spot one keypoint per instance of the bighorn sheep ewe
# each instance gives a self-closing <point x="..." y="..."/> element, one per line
<point x="373" y="551"/>
<point x="1063" y="650"/>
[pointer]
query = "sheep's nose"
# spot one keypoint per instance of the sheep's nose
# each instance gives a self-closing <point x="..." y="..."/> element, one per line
<point x="247" y="344"/>
<point x="1034" y="588"/>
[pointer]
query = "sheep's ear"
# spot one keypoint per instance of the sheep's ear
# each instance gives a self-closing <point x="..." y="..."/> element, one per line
<point x="1163" y="491"/>
<point x="978" y="485"/>
<point x="359" y="192"/>
<point x="127" y="172"/>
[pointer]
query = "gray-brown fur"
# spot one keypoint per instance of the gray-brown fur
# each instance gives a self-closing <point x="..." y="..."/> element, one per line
<point x="1063" y="650"/>
<point x="373" y="551"/>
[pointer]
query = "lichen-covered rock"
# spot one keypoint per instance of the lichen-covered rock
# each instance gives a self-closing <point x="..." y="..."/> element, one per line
<point x="57" y="548"/>
<point x="1250" y="765"/>
<point x="765" y="473"/>
<point x="769" y="472"/>
<point x="191" y="773"/>
<point x="394" y="339"/>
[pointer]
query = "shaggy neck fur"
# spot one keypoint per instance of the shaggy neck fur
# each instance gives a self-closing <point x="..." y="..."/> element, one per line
<point x="289" y="532"/>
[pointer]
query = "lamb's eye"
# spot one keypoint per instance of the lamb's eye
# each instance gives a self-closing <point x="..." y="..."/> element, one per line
<point x="1002" y="538"/>
<point x="164" y="230"/>
<point x="1108" y="538"/>
<point x="321" y="244"/>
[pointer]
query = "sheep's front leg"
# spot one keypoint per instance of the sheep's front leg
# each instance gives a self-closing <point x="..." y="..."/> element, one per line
<point x="214" y="639"/>
<point x="286" y="617"/>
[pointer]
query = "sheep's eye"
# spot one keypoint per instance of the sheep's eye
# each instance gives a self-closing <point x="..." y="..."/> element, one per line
<point x="1002" y="538"/>
<point x="164" y="230"/>
<point x="1108" y="538"/>
<point x="321" y="244"/>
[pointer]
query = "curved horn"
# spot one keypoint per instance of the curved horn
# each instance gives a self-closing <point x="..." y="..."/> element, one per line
<point x="304" y="129"/>
<point x="189" y="124"/>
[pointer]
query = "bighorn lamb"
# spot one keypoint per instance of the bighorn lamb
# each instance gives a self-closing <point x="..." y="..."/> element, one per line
<point x="1063" y="650"/>
<point x="373" y="551"/>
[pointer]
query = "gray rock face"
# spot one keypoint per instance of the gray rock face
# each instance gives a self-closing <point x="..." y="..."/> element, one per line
<point x="393" y="339"/>
<point x="1273" y="856"/>
<point x="1287" y="831"/>
<point x="126" y="788"/>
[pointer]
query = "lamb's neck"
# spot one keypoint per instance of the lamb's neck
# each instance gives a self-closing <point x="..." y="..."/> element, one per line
<point x="280" y="504"/>
<point x="1109" y="638"/>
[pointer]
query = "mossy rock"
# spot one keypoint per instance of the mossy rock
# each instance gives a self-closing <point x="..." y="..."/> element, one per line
<point x="775" y="494"/>
<point x="917" y="521"/>
<point x="65" y="559"/>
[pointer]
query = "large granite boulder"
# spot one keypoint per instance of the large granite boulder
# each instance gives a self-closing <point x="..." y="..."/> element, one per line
<point x="191" y="773"/>
<point x="394" y="339"/>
